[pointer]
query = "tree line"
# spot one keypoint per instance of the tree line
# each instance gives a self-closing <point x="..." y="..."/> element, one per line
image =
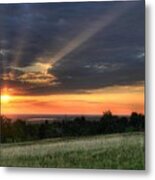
<point x="20" y="130"/>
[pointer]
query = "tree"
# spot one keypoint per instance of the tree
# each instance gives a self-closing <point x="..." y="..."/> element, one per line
<point x="137" y="121"/>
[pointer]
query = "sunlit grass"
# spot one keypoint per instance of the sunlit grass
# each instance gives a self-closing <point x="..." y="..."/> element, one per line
<point x="118" y="151"/>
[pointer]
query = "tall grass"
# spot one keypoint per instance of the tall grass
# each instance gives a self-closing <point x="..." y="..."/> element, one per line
<point x="117" y="151"/>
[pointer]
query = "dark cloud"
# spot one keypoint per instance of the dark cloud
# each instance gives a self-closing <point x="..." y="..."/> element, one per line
<point x="114" y="55"/>
<point x="34" y="30"/>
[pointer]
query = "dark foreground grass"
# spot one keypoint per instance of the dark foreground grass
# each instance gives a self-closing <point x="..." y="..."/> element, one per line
<point x="117" y="151"/>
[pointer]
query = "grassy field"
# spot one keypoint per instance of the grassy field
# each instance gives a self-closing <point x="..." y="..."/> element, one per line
<point x="117" y="151"/>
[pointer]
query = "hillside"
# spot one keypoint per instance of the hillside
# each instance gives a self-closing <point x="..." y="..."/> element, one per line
<point x="118" y="151"/>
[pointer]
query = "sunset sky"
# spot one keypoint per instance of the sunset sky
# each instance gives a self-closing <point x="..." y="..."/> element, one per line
<point x="72" y="58"/>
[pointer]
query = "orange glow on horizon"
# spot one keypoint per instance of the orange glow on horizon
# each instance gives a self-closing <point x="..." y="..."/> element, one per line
<point x="120" y="100"/>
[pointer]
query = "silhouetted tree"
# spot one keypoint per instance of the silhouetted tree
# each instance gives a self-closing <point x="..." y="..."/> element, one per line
<point x="19" y="130"/>
<point x="137" y="121"/>
<point x="107" y="115"/>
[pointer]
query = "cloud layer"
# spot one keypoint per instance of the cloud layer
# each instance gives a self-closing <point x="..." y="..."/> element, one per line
<point x="71" y="47"/>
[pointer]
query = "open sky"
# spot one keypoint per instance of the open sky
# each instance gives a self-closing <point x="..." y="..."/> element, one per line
<point x="72" y="58"/>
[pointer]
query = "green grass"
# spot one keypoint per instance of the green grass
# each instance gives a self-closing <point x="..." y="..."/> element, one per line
<point x="117" y="151"/>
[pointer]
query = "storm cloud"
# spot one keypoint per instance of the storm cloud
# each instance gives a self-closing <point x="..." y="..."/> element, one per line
<point x="71" y="47"/>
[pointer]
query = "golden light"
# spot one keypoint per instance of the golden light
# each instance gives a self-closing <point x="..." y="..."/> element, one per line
<point x="5" y="98"/>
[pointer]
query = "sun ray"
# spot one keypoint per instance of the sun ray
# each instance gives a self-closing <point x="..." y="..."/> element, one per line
<point x="92" y="29"/>
<point x="23" y="37"/>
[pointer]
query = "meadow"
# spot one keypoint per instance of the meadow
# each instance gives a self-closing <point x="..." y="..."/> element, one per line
<point x="116" y="151"/>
